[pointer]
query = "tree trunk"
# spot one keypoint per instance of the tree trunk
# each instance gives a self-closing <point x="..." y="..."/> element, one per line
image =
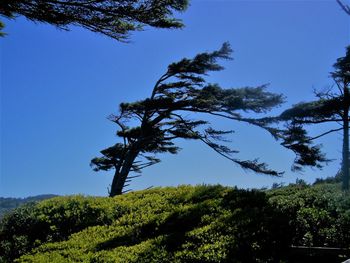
<point x="121" y="175"/>
<point x="346" y="159"/>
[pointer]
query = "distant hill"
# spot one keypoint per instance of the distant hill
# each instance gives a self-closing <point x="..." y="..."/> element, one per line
<point x="9" y="203"/>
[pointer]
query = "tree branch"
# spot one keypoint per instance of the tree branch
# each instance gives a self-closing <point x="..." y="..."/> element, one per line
<point x="323" y="134"/>
<point x="315" y="121"/>
<point x="165" y="76"/>
<point x="346" y="8"/>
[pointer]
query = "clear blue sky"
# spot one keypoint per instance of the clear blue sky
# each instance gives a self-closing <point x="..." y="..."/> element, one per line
<point x="58" y="87"/>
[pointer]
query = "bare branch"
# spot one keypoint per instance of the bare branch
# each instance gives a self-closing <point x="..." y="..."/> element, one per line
<point x="339" y="86"/>
<point x="323" y="134"/>
<point x="299" y="121"/>
<point x="346" y="8"/>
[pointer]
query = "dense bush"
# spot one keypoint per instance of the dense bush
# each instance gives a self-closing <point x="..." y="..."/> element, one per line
<point x="318" y="215"/>
<point x="51" y="220"/>
<point x="183" y="224"/>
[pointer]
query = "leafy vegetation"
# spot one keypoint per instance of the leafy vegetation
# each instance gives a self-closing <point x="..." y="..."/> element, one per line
<point x="183" y="224"/>
<point x="319" y="215"/>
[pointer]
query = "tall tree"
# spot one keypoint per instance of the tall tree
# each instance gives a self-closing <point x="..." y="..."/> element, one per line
<point x="113" y="18"/>
<point x="163" y="117"/>
<point x="330" y="107"/>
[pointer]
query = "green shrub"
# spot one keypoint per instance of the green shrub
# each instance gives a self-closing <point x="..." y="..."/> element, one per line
<point x="51" y="220"/>
<point x="182" y="224"/>
<point x="318" y="215"/>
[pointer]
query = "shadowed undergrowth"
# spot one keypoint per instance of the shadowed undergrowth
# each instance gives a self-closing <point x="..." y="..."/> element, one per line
<point x="182" y="224"/>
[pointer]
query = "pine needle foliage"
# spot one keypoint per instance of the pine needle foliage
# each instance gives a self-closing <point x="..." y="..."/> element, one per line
<point x="115" y="19"/>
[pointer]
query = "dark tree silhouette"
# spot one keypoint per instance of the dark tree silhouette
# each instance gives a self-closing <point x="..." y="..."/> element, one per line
<point x="109" y="17"/>
<point x="1" y="27"/>
<point x="345" y="7"/>
<point x="330" y="107"/>
<point x="163" y="117"/>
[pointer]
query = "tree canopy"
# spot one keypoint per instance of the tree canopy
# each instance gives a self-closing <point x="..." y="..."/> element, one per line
<point x="163" y="117"/>
<point x="115" y="19"/>
<point x="331" y="106"/>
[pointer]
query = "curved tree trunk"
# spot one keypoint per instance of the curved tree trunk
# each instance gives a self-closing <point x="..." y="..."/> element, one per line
<point x="121" y="174"/>
<point x="346" y="158"/>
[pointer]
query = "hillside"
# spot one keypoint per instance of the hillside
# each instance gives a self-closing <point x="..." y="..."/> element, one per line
<point x="9" y="203"/>
<point x="182" y="224"/>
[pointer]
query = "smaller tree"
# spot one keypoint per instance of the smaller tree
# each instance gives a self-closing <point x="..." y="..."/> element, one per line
<point x="163" y="117"/>
<point x="330" y="107"/>
<point x="112" y="18"/>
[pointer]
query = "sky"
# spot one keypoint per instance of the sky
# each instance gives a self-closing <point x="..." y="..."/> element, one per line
<point x="58" y="87"/>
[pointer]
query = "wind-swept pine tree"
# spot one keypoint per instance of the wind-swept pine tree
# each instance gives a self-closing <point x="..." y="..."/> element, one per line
<point x="330" y="107"/>
<point x="112" y="18"/>
<point x="163" y="117"/>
